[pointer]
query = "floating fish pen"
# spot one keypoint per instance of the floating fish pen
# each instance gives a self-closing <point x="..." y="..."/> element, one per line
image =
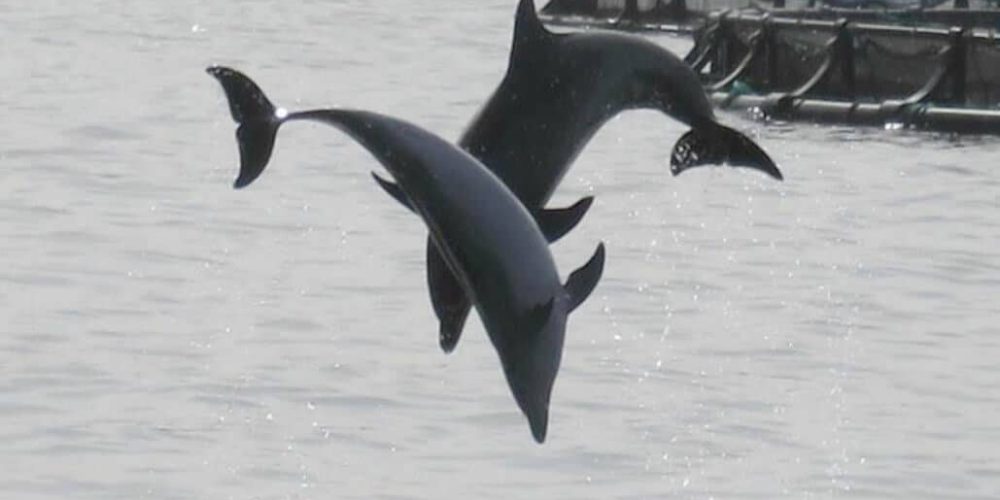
<point x="914" y="17"/>
<point x="944" y="79"/>
<point x="936" y="69"/>
<point x="631" y="15"/>
<point x="685" y="15"/>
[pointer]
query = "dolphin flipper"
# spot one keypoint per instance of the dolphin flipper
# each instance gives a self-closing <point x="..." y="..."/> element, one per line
<point x="716" y="143"/>
<point x="393" y="190"/>
<point x="556" y="222"/>
<point x="449" y="300"/>
<point x="451" y="305"/>
<point x="582" y="281"/>
<point x="539" y="315"/>
<point x="257" y="118"/>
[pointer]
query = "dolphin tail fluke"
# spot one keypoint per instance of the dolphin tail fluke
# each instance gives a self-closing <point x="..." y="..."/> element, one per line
<point x="715" y="144"/>
<point x="258" y="121"/>
<point x="556" y="222"/>
<point x="582" y="281"/>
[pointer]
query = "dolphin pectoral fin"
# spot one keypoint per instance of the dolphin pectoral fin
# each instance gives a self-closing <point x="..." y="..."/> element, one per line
<point x="393" y="190"/>
<point x="539" y="315"/>
<point x="556" y="222"/>
<point x="715" y="144"/>
<point x="451" y="305"/>
<point x="450" y="330"/>
<point x="582" y="281"/>
<point x="258" y="121"/>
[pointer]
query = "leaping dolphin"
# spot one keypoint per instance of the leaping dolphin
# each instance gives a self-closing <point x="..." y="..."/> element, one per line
<point x="560" y="89"/>
<point x="487" y="239"/>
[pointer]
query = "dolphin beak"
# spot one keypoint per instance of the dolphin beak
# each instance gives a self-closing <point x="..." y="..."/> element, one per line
<point x="539" y="423"/>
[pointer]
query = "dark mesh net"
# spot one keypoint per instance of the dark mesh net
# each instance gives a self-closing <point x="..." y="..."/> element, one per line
<point x="888" y="62"/>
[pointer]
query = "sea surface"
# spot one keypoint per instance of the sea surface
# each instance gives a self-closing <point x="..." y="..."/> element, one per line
<point x="163" y="336"/>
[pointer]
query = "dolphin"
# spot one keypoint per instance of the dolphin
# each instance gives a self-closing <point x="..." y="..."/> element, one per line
<point x="560" y="89"/>
<point x="487" y="239"/>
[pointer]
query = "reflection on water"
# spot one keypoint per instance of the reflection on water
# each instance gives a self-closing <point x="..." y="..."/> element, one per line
<point x="168" y="337"/>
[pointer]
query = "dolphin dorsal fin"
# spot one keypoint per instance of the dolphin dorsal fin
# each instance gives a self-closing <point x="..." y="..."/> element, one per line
<point x="528" y="29"/>
<point x="556" y="222"/>
<point x="582" y="281"/>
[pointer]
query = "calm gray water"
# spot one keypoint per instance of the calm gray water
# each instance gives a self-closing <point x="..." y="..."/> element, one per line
<point x="166" y="337"/>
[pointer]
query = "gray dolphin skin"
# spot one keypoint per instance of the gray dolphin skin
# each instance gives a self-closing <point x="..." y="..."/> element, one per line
<point x="487" y="239"/>
<point x="558" y="91"/>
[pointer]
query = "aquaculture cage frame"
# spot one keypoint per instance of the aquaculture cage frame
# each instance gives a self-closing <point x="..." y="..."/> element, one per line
<point x="933" y="78"/>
